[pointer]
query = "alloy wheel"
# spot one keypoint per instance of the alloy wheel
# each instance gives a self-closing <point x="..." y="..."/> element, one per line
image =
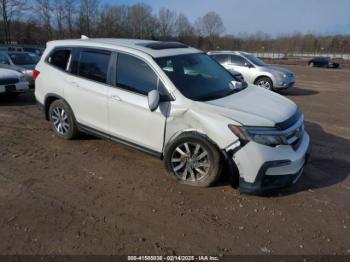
<point x="190" y="162"/>
<point x="265" y="84"/>
<point x="60" y="120"/>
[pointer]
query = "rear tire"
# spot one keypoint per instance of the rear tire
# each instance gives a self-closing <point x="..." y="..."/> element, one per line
<point x="193" y="160"/>
<point x="62" y="120"/>
<point x="264" y="82"/>
<point x="311" y="64"/>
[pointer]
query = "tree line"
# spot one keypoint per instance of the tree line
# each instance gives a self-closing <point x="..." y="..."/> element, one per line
<point x="38" y="21"/>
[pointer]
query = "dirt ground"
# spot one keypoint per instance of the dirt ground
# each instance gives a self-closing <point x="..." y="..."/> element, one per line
<point x="92" y="196"/>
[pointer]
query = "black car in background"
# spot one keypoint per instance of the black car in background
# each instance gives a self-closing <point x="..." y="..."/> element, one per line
<point x="323" y="62"/>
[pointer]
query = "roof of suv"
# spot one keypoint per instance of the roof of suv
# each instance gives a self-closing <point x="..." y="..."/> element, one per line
<point x="150" y="47"/>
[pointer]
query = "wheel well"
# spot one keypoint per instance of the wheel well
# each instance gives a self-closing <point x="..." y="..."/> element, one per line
<point x="229" y="170"/>
<point x="189" y="132"/>
<point x="259" y="77"/>
<point x="48" y="102"/>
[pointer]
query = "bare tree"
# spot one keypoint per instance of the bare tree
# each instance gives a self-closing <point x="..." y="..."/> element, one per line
<point x="142" y="22"/>
<point x="69" y="8"/>
<point x="8" y="8"/>
<point x="183" y="26"/>
<point x="59" y="13"/>
<point x="166" y="22"/>
<point x="88" y="15"/>
<point x="44" y="7"/>
<point x="210" y="25"/>
<point x="114" y="21"/>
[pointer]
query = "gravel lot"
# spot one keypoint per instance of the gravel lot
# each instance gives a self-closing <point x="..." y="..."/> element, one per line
<point x="92" y="196"/>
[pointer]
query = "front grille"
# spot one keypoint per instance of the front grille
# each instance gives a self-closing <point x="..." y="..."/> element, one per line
<point x="8" y="81"/>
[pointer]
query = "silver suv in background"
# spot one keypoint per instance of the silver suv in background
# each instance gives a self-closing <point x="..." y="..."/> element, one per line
<point x="254" y="70"/>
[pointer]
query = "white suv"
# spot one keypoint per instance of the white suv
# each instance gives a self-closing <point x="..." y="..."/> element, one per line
<point x="176" y="103"/>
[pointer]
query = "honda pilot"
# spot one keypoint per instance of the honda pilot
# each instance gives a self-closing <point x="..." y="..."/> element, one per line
<point x="177" y="104"/>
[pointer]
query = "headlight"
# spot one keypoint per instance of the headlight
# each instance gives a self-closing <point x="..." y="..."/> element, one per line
<point x="245" y="134"/>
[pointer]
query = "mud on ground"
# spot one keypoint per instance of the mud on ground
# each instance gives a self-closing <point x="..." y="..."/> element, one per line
<point x="92" y="196"/>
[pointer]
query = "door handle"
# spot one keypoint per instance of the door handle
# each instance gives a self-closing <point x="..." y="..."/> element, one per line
<point x="116" y="98"/>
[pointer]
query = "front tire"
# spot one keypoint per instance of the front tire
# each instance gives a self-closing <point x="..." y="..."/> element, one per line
<point x="193" y="160"/>
<point x="311" y="64"/>
<point x="62" y="120"/>
<point x="264" y="82"/>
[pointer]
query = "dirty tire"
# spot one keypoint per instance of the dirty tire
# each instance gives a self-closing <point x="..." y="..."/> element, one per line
<point x="311" y="64"/>
<point x="202" y="160"/>
<point x="62" y="120"/>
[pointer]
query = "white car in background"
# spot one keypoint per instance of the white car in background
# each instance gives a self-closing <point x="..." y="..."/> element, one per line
<point x="12" y="82"/>
<point x="254" y="70"/>
<point x="176" y="103"/>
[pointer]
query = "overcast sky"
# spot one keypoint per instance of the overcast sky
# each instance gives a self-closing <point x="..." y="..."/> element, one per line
<point x="274" y="17"/>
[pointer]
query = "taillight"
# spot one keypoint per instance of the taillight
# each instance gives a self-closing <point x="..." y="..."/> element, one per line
<point x="36" y="74"/>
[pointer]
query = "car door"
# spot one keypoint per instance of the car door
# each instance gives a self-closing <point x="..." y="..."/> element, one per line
<point x="87" y="88"/>
<point x="239" y="64"/>
<point x="130" y="119"/>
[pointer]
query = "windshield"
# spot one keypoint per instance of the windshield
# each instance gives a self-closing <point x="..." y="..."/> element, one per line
<point x="198" y="77"/>
<point x="22" y="59"/>
<point x="255" y="60"/>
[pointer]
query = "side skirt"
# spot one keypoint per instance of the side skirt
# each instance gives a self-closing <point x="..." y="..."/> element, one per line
<point x="100" y="134"/>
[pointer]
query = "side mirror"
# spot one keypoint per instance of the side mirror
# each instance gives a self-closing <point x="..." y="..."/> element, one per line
<point x="236" y="85"/>
<point x="153" y="99"/>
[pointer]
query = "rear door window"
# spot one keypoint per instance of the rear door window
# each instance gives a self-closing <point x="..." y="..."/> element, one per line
<point x="59" y="58"/>
<point x="93" y="64"/>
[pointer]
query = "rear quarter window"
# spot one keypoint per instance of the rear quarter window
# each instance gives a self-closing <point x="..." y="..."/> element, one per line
<point x="59" y="58"/>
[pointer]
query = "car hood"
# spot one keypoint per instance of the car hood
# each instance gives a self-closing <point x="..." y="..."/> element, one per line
<point x="6" y="73"/>
<point x="280" y="69"/>
<point x="253" y="106"/>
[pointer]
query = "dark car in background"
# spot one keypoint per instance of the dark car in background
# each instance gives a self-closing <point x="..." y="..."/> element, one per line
<point x="323" y="62"/>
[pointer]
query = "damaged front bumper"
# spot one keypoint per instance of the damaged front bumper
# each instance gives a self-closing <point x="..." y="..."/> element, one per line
<point x="263" y="168"/>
